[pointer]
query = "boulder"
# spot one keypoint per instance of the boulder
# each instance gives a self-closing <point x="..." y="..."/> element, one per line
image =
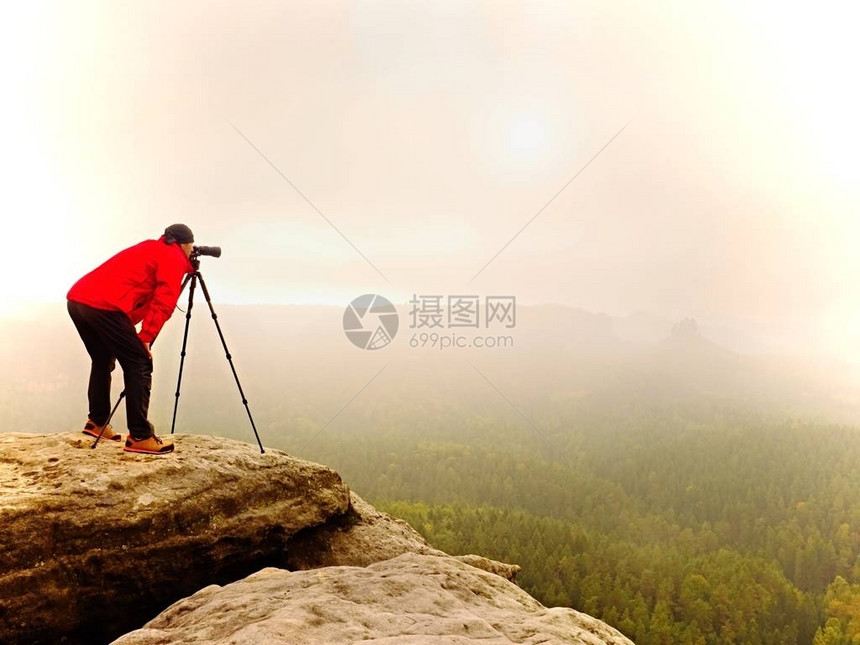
<point x="412" y="599"/>
<point x="364" y="535"/>
<point x="361" y="536"/>
<point x="97" y="542"/>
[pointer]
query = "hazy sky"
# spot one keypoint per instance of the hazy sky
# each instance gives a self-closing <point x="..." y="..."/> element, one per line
<point x="430" y="133"/>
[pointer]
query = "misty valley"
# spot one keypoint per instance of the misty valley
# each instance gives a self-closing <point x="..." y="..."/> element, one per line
<point x="679" y="490"/>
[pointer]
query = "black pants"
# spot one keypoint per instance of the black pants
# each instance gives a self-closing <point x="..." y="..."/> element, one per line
<point x="109" y="336"/>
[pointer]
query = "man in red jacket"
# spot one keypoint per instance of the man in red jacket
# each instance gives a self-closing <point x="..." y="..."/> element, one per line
<point x="139" y="285"/>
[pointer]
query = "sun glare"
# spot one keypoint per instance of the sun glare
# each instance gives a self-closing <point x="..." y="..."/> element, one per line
<point x="526" y="134"/>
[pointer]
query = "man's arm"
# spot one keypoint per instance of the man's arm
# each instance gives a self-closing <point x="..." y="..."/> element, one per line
<point x="169" y="271"/>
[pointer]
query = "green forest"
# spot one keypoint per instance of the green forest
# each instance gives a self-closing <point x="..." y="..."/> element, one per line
<point x="694" y="524"/>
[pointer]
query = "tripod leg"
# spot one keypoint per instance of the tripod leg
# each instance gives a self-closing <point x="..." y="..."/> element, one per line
<point x="229" y="359"/>
<point x="110" y="416"/>
<point x="184" y="345"/>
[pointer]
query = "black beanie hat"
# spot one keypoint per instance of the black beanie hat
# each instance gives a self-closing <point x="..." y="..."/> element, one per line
<point x="178" y="233"/>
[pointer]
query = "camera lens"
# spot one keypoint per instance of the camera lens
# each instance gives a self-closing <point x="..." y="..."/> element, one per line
<point x="212" y="251"/>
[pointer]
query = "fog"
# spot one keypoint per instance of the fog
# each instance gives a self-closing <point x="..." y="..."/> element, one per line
<point x="306" y="383"/>
<point x="615" y="169"/>
<point x="665" y="436"/>
<point x="345" y="148"/>
<point x="669" y="191"/>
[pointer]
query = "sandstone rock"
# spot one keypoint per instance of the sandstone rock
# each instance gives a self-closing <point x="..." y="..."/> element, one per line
<point x="95" y="542"/>
<point x="361" y="536"/>
<point x="364" y="535"/>
<point x="412" y="599"/>
<point x="506" y="571"/>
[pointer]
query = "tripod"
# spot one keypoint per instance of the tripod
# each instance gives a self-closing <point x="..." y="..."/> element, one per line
<point x="194" y="278"/>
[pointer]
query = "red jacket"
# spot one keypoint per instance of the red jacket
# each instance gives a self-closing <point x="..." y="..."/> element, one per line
<point x="143" y="281"/>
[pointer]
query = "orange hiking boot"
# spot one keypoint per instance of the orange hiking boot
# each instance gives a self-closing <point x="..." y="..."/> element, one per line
<point x="150" y="446"/>
<point x="94" y="430"/>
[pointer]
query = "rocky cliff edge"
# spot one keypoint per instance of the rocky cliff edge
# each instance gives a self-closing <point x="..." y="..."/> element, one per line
<point x="219" y="544"/>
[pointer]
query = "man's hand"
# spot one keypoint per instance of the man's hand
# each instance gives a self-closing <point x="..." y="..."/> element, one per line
<point x="148" y="352"/>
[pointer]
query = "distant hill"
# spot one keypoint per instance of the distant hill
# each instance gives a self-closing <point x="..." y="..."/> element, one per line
<point x="298" y="357"/>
